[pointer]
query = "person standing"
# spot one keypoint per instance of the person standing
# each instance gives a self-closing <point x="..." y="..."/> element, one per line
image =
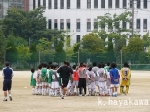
<point x="7" y="73"/>
<point x="65" y="72"/>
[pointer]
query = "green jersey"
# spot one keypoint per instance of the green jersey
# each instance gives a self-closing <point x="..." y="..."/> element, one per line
<point x="50" y="76"/>
<point x="44" y="75"/>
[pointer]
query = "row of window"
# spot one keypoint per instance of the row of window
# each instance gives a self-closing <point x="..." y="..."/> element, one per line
<point x="95" y="26"/>
<point x="96" y="2"/>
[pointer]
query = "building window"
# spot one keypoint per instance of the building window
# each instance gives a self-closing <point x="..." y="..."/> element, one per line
<point x="78" y="25"/>
<point x="95" y="24"/>
<point x="88" y="4"/>
<point x="61" y="4"/>
<point x="49" y="24"/>
<point x="44" y="4"/>
<point x="117" y="3"/>
<point x="55" y="24"/>
<point x="55" y="4"/>
<point x="39" y="3"/>
<point x="68" y="25"/>
<point x="131" y="3"/>
<point x="33" y="4"/>
<point x="61" y="24"/>
<point x="88" y="25"/>
<point x="138" y="4"/>
<point x="68" y="4"/>
<point x="138" y="24"/>
<point x="95" y="4"/>
<point x="49" y="4"/>
<point x="102" y="3"/>
<point x="145" y="4"/>
<point x="109" y="3"/>
<point x="124" y="4"/>
<point x="124" y="25"/>
<point x="145" y="25"/>
<point x="78" y="4"/>
<point x="78" y="39"/>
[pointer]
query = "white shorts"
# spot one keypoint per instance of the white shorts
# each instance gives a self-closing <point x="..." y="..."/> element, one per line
<point x="91" y="86"/>
<point x="102" y="84"/>
<point x="69" y="84"/>
<point x="96" y="83"/>
<point x="114" y="85"/>
<point x="39" y="84"/>
<point x="44" y="84"/>
<point x="55" y="85"/>
<point x="75" y="83"/>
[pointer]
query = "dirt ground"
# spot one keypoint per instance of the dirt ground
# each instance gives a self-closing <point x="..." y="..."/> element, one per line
<point x="23" y="101"/>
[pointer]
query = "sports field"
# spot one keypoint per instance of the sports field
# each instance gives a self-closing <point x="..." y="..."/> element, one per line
<point x="138" y="99"/>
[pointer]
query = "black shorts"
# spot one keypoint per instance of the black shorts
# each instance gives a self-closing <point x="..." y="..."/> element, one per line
<point x="82" y="82"/>
<point x="64" y="82"/>
<point x="7" y="84"/>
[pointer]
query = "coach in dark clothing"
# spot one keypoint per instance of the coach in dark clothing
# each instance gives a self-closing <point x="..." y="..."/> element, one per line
<point x="7" y="73"/>
<point x="65" y="72"/>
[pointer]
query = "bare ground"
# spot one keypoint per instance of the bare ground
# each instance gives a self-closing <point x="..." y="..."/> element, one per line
<point x="23" y="101"/>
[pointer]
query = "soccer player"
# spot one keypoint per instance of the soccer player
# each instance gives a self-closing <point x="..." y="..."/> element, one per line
<point x="51" y="67"/>
<point x="75" y="82"/>
<point x="114" y="75"/>
<point x="82" y="79"/>
<point x="90" y="81"/>
<point x="44" y="79"/>
<point x="33" y="81"/>
<point x="125" y="75"/>
<point x="65" y="72"/>
<point x="7" y="73"/>
<point x="102" y="79"/>
<point x="38" y="81"/>
<point x="94" y="69"/>
<point x="107" y="66"/>
<point x="55" y="81"/>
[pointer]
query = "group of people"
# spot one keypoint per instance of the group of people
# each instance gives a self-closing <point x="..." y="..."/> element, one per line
<point x="52" y="80"/>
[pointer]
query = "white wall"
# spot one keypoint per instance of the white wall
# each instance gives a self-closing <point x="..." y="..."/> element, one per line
<point x="83" y="14"/>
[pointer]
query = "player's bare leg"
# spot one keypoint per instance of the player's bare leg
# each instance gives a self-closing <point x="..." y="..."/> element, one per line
<point x="5" y="96"/>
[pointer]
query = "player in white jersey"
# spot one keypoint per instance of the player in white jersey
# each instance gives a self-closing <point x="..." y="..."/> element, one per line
<point x="55" y="81"/>
<point x="108" y="83"/>
<point x="90" y="82"/>
<point x="38" y="81"/>
<point x="96" y="79"/>
<point x="102" y="79"/>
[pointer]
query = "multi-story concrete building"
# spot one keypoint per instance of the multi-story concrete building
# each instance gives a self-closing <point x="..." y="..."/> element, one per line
<point x="6" y="4"/>
<point x="78" y="16"/>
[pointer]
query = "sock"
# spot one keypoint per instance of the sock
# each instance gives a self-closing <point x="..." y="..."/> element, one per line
<point x="33" y="92"/>
<point x="37" y="88"/>
<point x="47" y="90"/>
<point x="9" y="94"/>
<point x="121" y="89"/>
<point x="5" y="97"/>
<point x="127" y="89"/>
<point x="55" y="92"/>
<point x="43" y="91"/>
<point x="77" y="90"/>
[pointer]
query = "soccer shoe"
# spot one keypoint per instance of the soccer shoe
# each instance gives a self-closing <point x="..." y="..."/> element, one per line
<point x="62" y="96"/>
<point x="4" y="99"/>
<point x="10" y="97"/>
<point x="80" y="94"/>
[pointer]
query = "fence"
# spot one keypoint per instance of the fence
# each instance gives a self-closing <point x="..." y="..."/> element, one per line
<point x="137" y="60"/>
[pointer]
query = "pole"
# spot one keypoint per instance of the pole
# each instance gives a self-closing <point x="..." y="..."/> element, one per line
<point x="132" y="18"/>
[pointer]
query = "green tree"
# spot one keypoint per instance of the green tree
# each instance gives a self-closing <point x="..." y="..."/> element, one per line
<point x="134" y="50"/>
<point x="25" y="24"/>
<point x="23" y="55"/>
<point x="12" y="43"/>
<point x="2" y="45"/>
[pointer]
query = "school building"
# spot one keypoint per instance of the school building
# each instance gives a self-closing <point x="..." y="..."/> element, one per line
<point x="78" y="16"/>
